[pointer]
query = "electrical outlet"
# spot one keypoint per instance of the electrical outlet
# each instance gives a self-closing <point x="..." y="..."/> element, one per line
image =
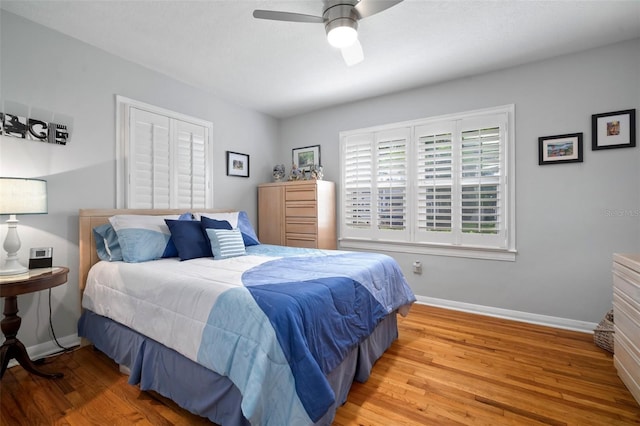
<point x="417" y="267"/>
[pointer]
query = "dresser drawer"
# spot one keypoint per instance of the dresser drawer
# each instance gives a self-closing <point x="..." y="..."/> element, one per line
<point x="626" y="318"/>
<point x="628" y="365"/>
<point x="301" y="240"/>
<point x="301" y="226"/>
<point x="300" y="209"/>
<point x="627" y="281"/>
<point x="300" y="194"/>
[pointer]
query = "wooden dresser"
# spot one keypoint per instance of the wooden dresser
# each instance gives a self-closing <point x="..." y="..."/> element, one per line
<point x="298" y="214"/>
<point x="626" y="317"/>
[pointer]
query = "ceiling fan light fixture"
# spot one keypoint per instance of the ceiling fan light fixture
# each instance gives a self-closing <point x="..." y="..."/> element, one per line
<point x="341" y="36"/>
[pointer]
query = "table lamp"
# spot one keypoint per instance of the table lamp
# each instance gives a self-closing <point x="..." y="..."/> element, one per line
<point x="19" y="196"/>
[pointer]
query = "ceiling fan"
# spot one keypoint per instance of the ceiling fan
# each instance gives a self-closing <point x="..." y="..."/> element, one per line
<point x="340" y="19"/>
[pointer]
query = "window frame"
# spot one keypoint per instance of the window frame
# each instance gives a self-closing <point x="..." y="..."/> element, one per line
<point x="466" y="247"/>
<point x="124" y="108"/>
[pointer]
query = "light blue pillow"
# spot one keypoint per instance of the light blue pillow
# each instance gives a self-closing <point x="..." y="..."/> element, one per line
<point x="226" y="243"/>
<point x="107" y="244"/>
<point x="142" y="237"/>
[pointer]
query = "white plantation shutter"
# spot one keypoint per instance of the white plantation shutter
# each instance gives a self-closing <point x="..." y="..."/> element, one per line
<point x="375" y="179"/>
<point x="391" y="183"/>
<point x="192" y="166"/>
<point x="440" y="181"/>
<point x="434" y="182"/>
<point x="167" y="158"/>
<point x="150" y="159"/>
<point x="482" y="177"/>
<point x="357" y="181"/>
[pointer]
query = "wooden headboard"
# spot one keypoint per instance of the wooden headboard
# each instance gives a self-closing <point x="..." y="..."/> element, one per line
<point x="90" y="218"/>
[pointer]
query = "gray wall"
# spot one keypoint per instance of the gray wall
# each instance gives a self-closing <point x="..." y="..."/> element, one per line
<point x="567" y="222"/>
<point x="565" y="236"/>
<point x="52" y="76"/>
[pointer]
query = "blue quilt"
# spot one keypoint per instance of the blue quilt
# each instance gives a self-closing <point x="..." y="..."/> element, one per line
<point x="293" y="322"/>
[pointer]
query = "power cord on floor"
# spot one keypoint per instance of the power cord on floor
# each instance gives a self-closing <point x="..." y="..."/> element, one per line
<point x="53" y="333"/>
<point x="64" y="349"/>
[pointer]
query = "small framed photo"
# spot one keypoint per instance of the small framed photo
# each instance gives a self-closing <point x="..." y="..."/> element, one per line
<point x="237" y="164"/>
<point x="613" y="130"/>
<point x="306" y="157"/>
<point x="560" y="149"/>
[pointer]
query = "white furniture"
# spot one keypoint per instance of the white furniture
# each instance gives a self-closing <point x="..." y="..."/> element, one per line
<point x="298" y="214"/>
<point x="626" y="315"/>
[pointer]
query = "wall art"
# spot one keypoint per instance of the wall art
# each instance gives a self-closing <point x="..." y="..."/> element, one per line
<point x="33" y="129"/>
<point x="613" y="130"/>
<point x="306" y="157"/>
<point x="237" y="164"/>
<point x="560" y="149"/>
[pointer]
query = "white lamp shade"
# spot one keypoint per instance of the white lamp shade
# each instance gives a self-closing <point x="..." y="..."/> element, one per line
<point x="342" y="36"/>
<point x="23" y="196"/>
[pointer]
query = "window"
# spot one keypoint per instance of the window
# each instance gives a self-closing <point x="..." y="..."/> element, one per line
<point x="442" y="185"/>
<point x="164" y="158"/>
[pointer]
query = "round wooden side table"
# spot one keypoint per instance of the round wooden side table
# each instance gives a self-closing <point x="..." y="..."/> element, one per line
<point x="10" y="288"/>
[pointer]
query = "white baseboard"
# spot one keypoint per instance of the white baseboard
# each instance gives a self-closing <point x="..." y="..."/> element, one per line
<point x="42" y="350"/>
<point x="47" y="348"/>
<point x="549" y="321"/>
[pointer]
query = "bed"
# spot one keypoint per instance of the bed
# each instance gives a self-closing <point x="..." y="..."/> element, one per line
<point x="248" y="334"/>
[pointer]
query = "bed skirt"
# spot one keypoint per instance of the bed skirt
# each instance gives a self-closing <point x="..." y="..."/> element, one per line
<point x="203" y="392"/>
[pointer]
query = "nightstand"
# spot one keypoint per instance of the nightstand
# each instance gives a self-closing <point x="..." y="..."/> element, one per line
<point x="10" y="288"/>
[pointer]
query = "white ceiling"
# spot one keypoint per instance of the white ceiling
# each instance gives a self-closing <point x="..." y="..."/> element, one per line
<point x="284" y="69"/>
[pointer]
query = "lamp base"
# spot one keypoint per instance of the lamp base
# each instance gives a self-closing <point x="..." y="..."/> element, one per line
<point x="13" y="267"/>
<point x="12" y="244"/>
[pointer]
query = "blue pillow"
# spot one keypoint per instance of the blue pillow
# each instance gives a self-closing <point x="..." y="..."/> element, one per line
<point x="226" y="243"/>
<point x="107" y="244"/>
<point x="142" y="237"/>
<point x="207" y="222"/>
<point x="190" y="240"/>
<point x="171" y="250"/>
<point x="248" y="234"/>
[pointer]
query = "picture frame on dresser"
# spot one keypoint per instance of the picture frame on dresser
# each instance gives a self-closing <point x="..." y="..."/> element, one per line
<point x="237" y="164"/>
<point x="306" y="157"/>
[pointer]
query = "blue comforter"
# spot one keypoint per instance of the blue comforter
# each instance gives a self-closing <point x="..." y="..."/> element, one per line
<point x="305" y="314"/>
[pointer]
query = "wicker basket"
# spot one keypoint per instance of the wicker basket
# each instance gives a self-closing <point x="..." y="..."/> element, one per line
<point x="603" y="334"/>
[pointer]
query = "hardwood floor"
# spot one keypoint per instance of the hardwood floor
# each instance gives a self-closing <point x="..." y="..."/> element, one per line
<point x="446" y="368"/>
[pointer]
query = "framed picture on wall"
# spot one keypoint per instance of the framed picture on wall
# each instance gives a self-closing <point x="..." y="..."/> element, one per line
<point x="560" y="149"/>
<point x="613" y="130"/>
<point x="306" y="157"/>
<point x="237" y="164"/>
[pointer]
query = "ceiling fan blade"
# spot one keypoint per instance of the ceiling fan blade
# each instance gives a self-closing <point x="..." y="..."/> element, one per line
<point x="370" y="7"/>
<point x="353" y="54"/>
<point x="286" y="16"/>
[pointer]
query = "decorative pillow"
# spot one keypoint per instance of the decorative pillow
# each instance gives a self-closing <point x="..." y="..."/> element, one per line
<point x="238" y="220"/>
<point x="189" y="238"/>
<point x="142" y="237"/>
<point x="207" y="222"/>
<point x="226" y="243"/>
<point x="172" y="250"/>
<point x="107" y="244"/>
<point x="248" y="234"/>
